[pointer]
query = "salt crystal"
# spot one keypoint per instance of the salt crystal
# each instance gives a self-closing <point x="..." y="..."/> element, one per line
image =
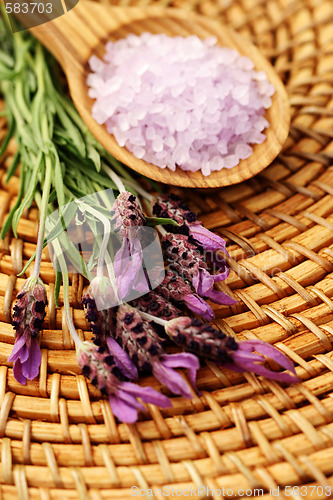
<point x="138" y="151"/>
<point x="180" y="101"/>
<point x="157" y="145"/>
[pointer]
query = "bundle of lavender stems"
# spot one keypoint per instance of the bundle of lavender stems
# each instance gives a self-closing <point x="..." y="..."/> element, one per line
<point x="133" y="338"/>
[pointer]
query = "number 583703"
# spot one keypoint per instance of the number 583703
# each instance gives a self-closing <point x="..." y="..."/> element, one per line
<point x="28" y="8"/>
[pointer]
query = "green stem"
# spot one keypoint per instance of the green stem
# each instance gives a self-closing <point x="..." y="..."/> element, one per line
<point x="43" y="214"/>
<point x="140" y="190"/>
<point x="107" y="231"/>
<point x="65" y="281"/>
<point x="115" y="178"/>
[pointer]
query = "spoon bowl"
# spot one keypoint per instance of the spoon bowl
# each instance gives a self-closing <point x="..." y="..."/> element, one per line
<point x="84" y="31"/>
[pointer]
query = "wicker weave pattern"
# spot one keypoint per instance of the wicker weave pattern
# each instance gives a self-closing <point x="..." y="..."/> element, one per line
<point x="59" y="440"/>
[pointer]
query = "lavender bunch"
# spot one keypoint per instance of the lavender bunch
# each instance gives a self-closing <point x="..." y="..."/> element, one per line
<point x="147" y="351"/>
<point x="248" y="355"/>
<point x="186" y="260"/>
<point x="103" y="371"/>
<point x="28" y="317"/>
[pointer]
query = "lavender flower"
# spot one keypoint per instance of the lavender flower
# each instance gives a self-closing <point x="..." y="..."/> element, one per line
<point x="128" y="220"/>
<point x="102" y="322"/>
<point x="175" y="208"/>
<point x="157" y="305"/>
<point x="206" y="341"/>
<point x="174" y="288"/>
<point x="185" y="260"/>
<point x="146" y="349"/>
<point x="104" y="373"/>
<point x="28" y="317"/>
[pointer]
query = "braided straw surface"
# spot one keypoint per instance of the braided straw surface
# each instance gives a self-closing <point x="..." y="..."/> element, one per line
<point x="59" y="439"/>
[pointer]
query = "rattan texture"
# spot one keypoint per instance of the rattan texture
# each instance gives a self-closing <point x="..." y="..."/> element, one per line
<point x="59" y="439"/>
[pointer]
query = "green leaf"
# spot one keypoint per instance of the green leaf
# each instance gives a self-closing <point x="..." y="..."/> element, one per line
<point x="6" y="140"/>
<point x="28" y="199"/>
<point x="58" y="281"/>
<point x="58" y="178"/>
<point x="7" y="225"/>
<point x="72" y="131"/>
<point x="64" y="217"/>
<point x="38" y="111"/>
<point x="13" y="166"/>
<point x="94" y="156"/>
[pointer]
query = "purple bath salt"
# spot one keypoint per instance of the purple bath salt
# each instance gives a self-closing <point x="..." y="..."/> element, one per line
<point x="180" y="101"/>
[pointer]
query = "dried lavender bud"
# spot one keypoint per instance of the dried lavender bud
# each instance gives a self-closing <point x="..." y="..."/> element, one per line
<point x="104" y="374"/>
<point x="182" y="256"/>
<point x="156" y="305"/>
<point x="146" y="349"/>
<point x="174" y="288"/>
<point x="172" y="206"/>
<point x="28" y="317"/>
<point x="202" y="339"/>
<point x="208" y="342"/>
<point x="128" y="220"/>
<point x="127" y="213"/>
<point x="102" y="322"/>
<point x="186" y="262"/>
<point x="138" y="338"/>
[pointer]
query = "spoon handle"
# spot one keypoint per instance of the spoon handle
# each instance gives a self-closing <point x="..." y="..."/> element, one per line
<point x="82" y="30"/>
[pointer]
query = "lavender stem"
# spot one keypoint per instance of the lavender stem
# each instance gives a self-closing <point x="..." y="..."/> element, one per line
<point x="114" y="177"/>
<point x="65" y="280"/>
<point x="106" y="236"/>
<point x="140" y="190"/>
<point x="159" y="321"/>
<point x="43" y="213"/>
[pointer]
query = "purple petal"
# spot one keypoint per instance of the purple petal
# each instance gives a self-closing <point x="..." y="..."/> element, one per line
<point x="30" y="368"/>
<point x="17" y="372"/>
<point x="199" y="306"/>
<point x="245" y="359"/>
<point x="221" y="276"/>
<point x="147" y="394"/>
<point x="127" y="263"/>
<point x="173" y="380"/>
<point x="270" y="351"/>
<point x="19" y="349"/>
<point x="220" y="297"/>
<point x="122" y="359"/>
<point x="206" y="282"/>
<point x="183" y="360"/>
<point x="141" y="282"/>
<point x="261" y="370"/>
<point x="122" y="410"/>
<point x="207" y="239"/>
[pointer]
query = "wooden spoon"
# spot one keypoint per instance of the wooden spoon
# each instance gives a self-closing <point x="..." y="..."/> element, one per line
<point x="75" y="36"/>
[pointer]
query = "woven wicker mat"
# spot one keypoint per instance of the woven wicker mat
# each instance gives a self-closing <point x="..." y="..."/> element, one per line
<point x="59" y="440"/>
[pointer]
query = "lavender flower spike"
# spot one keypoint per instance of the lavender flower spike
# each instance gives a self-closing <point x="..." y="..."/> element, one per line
<point x="185" y="260"/>
<point x="128" y="219"/>
<point x="174" y="288"/>
<point x="157" y="305"/>
<point x="146" y="350"/>
<point x="206" y="341"/>
<point x="172" y="206"/>
<point x="103" y="323"/>
<point x="28" y="317"/>
<point x="102" y="319"/>
<point x="101" y="369"/>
